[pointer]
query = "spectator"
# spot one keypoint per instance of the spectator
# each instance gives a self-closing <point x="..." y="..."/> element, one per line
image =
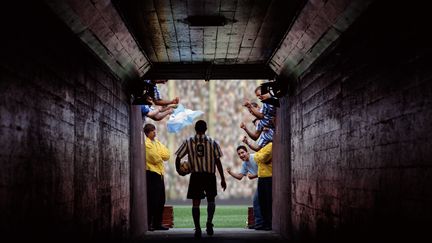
<point x="158" y="114"/>
<point x="264" y="160"/>
<point x="265" y="137"/>
<point x="250" y="169"/>
<point x="266" y="116"/>
<point x="156" y="154"/>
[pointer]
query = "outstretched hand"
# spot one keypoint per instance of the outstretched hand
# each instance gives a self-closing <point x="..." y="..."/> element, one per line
<point x="175" y="100"/>
<point x="247" y="103"/>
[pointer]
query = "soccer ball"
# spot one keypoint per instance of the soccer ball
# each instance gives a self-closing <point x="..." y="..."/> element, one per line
<point x="185" y="167"/>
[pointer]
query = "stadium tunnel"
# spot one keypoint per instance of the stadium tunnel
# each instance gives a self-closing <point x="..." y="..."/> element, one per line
<point x="352" y="156"/>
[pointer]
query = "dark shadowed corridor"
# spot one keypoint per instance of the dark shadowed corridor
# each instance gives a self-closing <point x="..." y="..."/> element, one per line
<point x="221" y="235"/>
<point x="352" y="153"/>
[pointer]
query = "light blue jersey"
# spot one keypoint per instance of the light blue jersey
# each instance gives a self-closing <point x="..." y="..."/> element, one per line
<point x="249" y="166"/>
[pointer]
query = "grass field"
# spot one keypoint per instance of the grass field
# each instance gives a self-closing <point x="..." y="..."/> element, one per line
<point x="226" y="216"/>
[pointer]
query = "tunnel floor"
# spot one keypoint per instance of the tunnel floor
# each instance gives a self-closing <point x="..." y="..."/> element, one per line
<point x="220" y="235"/>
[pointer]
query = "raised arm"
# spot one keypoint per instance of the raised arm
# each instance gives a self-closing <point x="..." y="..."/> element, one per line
<point x="252" y="134"/>
<point x="252" y="146"/>
<point x="238" y="176"/>
<point x="255" y="111"/>
<point x="167" y="102"/>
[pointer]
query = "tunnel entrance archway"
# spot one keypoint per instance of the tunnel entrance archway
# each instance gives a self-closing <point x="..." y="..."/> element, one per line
<point x="278" y="198"/>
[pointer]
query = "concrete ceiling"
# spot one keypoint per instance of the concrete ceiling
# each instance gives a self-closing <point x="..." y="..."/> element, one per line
<point x="231" y="39"/>
<point x="249" y="32"/>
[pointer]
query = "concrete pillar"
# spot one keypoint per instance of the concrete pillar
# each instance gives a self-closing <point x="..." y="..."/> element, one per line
<point x="138" y="199"/>
<point x="282" y="170"/>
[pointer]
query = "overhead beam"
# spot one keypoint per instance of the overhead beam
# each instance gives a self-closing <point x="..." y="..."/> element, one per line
<point x="208" y="71"/>
<point x="100" y="27"/>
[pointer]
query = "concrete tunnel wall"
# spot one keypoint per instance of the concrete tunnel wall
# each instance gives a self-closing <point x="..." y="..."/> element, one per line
<point x="64" y="134"/>
<point x="353" y="155"/>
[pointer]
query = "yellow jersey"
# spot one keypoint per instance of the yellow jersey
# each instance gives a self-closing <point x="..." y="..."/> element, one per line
<point x="264" y="160"/>
<point x="156" y="154"/>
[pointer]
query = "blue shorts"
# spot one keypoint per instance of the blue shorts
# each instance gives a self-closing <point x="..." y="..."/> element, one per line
<point x="145" y="109"/>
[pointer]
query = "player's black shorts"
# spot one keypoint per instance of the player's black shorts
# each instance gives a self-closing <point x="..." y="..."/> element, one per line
<point x="202" y="185"/>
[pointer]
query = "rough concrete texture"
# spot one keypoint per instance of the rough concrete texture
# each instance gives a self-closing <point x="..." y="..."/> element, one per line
<point x="361" y="133"/>
<point x="64" y="134"/>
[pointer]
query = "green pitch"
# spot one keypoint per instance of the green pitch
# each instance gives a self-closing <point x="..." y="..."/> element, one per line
<point x="226" y="216"/>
